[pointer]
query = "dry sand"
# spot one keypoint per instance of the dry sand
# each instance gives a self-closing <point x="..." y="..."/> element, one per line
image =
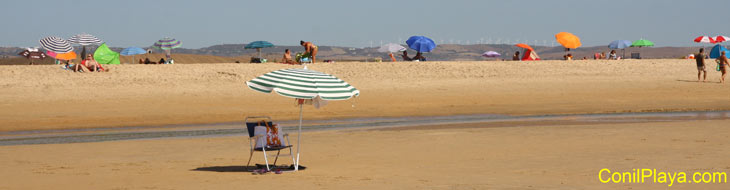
<point x="46" y="97"/>
<point x="468" y="156"/>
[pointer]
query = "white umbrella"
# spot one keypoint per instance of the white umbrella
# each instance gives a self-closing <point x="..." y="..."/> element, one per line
<point x="391" y="48"/>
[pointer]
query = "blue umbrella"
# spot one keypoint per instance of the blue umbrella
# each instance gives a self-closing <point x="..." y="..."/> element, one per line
<point x="133" y="51"/>
<point x="421" y="43"/>
<point x="258" y="45"/>
<point x="619" y="44"/>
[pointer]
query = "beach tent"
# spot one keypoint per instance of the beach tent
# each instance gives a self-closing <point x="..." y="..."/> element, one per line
<point x="715" y="52"/>
<point x="529" y="54"/>
<point x="104" y="55"/>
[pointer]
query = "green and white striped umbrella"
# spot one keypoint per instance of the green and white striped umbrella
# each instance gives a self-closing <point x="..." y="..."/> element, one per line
<point x="303" y="84"/>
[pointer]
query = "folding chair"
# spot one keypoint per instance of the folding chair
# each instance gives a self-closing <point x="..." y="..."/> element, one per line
<point x="251" y="123"/>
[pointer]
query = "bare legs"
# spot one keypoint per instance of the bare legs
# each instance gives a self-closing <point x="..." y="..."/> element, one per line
<point x="699" y="74"/>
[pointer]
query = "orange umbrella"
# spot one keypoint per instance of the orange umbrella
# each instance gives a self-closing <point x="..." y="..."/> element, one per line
<point x="524" y="46"/>
<point x="66" y="56"/>
<point x="568" y="40"/>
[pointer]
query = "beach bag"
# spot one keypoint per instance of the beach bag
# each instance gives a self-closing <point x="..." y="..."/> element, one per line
<point x="272" y="135"/>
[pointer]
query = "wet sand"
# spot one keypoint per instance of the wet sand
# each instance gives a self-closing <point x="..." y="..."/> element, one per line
<point x="448" y="157"/>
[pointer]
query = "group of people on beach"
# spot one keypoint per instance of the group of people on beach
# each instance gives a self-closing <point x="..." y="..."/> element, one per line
<point x="88" y="64"/>
<point x="722" y="65"/>
<point x="419" y="57"/>
<point x="310" y="51"/>
<point x="148" y="61"/>
<point x="611" y="56"/>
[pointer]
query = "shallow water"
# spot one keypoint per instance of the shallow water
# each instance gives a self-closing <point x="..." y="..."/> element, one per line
<point x="227" y="129"/>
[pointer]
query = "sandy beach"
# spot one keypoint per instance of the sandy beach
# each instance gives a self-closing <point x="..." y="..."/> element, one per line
<point x="450" y="157"/>
<point x="46" y="97"/>
<point x="464" y="156"/>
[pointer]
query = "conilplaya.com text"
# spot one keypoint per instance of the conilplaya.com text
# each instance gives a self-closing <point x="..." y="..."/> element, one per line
<point x="646" y="175"/>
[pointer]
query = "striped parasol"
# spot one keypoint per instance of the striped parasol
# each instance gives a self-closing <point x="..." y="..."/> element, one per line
<point x="56" y="44"/>
<point x="84" y="39"/>
<point x="167" y="44"/>
<point x="303" y="84"/>
<point x="721" y="38"/>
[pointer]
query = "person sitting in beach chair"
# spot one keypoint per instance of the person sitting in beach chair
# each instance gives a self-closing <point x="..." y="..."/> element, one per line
<point x="264" y="135"/>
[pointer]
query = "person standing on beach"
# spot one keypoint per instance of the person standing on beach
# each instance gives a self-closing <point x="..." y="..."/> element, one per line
<point x="700" y="58"/>
<point x="722" y="60"/>
<point x="310" y="48"/>
<point x="516" y="57"/>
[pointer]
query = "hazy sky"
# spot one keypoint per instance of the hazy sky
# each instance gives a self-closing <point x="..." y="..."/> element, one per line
<point x="123" y="23"/>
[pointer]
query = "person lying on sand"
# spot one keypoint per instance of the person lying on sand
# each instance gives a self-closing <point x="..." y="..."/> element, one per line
<point x="287" y="58"/>
<point x="73" y="67"/>
<point x="91" y="64"/>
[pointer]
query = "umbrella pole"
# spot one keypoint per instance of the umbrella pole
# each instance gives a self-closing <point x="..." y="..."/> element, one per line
<point x="299" y="137"/>
<point x="259" y="50"/>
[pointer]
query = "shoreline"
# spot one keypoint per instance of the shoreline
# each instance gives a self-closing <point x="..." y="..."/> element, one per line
<point x="358" y="124"/>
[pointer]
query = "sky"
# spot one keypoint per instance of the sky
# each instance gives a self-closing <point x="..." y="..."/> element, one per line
<point x="362" y="23"/>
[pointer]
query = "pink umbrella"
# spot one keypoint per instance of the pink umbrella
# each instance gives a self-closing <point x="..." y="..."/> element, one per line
<point x="721" y="38"/>
<point x="705" y="39"/>
<point x="50" y="53"/>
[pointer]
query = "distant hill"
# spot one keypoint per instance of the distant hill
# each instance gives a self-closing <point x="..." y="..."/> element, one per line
<point x="446" y="52"/>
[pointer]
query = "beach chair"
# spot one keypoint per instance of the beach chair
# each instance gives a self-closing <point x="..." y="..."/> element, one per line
<point x="251" y="123"/>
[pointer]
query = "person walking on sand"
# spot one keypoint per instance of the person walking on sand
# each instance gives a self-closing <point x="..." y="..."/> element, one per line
<point x="700" y="58"/>
<point x="310" y="48"/>
<point x="722" y="60"/>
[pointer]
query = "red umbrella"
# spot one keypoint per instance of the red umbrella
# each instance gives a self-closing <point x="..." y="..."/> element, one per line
<point x="721" y="38"/>
<point x="705" y="39"/>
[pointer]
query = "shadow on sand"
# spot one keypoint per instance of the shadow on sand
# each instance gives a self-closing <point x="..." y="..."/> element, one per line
<point x="694" y="81"/>
<point x="249" y="169"/>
